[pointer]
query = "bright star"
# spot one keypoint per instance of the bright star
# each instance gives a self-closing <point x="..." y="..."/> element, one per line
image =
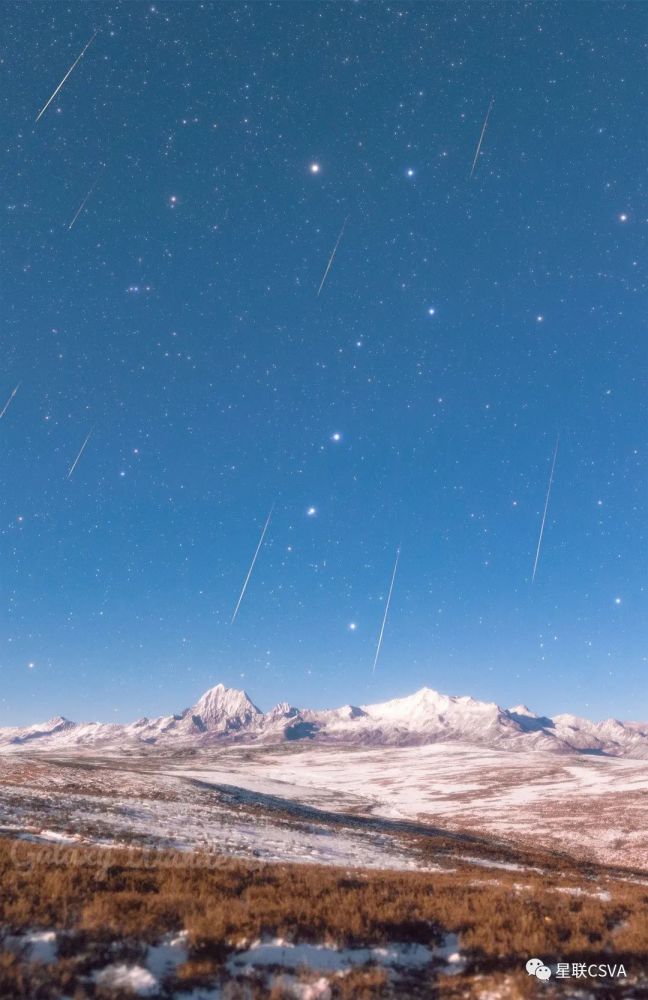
<point x="314" y="168"/>
<point x="410" y="172"/>
<point x="617" y="600"/>
<point x="336" y="437"/>
<point x="623" y="217"/>
<point x="352" y="626"/>
<point x="431" y="311"/>
<point x="311" y="512"/>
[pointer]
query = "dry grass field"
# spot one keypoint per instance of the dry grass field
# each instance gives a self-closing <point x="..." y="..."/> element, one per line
<point x="103" y="909"/>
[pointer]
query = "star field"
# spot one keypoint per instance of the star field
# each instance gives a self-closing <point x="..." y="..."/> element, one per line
<point x="464" y="323"/>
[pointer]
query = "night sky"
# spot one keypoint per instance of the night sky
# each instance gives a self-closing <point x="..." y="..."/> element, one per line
<point x="464" y="323"/>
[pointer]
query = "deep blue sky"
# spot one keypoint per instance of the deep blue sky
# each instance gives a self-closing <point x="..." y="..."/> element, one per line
<point x="463" y="324"/>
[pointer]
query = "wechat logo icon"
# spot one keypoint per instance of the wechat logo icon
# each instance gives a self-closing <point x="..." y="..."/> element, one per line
<point x="536" y="967"/>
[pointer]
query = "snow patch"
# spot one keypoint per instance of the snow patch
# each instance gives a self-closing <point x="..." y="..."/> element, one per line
<point x="132" y="978"/>
<point x="602" y="894"/>
<point x="295" y="989"/>
<point x="35" y="946"/>
<point x="507" y="866"/>
<point x="164" y="957"/>
<point x="324" y="958"/>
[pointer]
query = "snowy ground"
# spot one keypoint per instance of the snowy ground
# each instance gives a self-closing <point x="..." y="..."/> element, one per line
<point x="289" y="803"/>
<point x="592" y="806"/>
<point x="107" y="804"/>
<point x="271" y="961"/>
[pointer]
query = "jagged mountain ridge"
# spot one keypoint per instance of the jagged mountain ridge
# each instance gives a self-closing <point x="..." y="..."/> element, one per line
<point x="227" y="715"/>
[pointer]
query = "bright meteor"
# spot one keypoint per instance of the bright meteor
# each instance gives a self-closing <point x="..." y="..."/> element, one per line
<point x="481" y="138"/>
<point x="328" y="266"/>
<point x="249" y="574"/>
<point x="86" y="199"/>
<point x="384" y="621"/>
<point x="81" y="450"/>
<point x="544" y="515"/>
<point x="9" y="401"/>
<point x="72" y="67"/>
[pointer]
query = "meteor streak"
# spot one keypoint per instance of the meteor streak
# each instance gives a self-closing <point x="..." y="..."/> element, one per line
<point x="328" y="266"/>
<point x="481" y="138"/>
<point x="544" y="515"/>
<point x="382" y="627"/>
<point x="9" y="401"/>
<point x="82" y="449"/>
<point x="85" y="200"/>
<point x="72" y="67"/>
<point x="247" y="578"/>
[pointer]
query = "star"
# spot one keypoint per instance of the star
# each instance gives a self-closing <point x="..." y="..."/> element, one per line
<point x="311" y="512"/>
<point x="617" y="600"/>
<point x="314" y="168"/>
<point x="352" y="626"/>
<point x="623" y="217"/>
<point x="409" y="172"/>
<point x="336" y="437"/>
<point x="431" y="311"/>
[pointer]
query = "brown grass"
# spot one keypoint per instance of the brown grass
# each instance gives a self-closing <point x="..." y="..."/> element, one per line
<point x="123" y="899"/>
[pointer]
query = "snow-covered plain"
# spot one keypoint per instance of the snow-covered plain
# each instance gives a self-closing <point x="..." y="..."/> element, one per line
<point x="304" y="803"/>
<point x="595" y="807"/>
<point x="101" y="802"/>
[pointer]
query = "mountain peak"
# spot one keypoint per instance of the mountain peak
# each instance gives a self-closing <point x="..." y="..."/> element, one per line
<point x="426" y="700"/>
<point x="522" y="710"/>
<point x="284" y="710"/>
<point x="221" y="708"/>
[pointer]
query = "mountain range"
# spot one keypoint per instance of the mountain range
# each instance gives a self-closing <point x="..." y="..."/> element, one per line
<point x="224" y="715"/>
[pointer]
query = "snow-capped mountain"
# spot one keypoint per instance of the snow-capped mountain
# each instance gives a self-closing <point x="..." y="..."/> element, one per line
<point x="224" y="715"/>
